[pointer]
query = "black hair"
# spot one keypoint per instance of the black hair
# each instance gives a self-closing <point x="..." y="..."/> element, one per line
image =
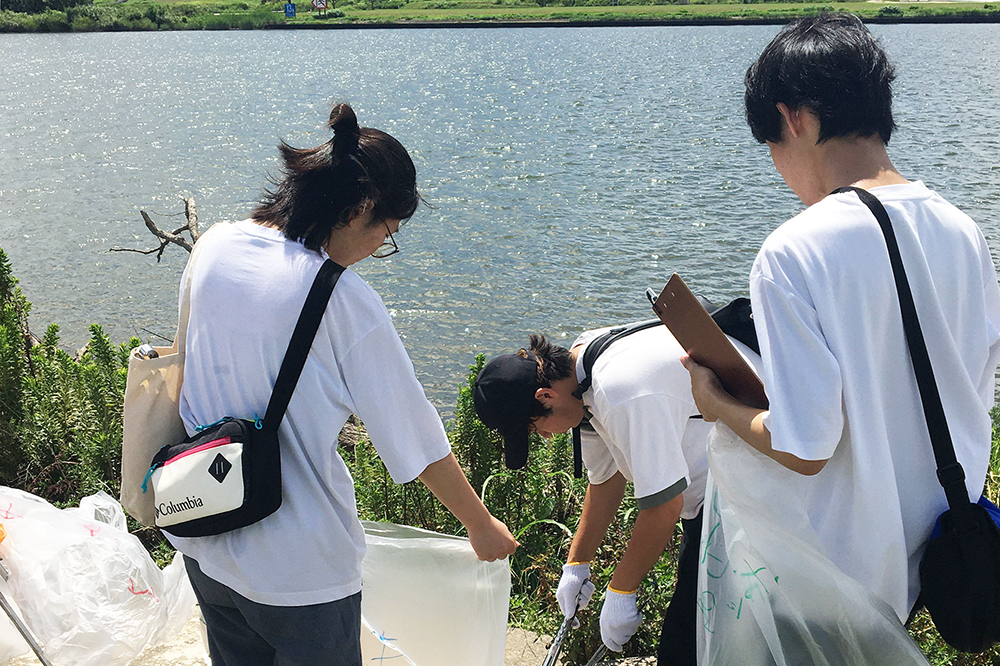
<point x="554" y="363"/>
<point x="829" y="64"/>
<point x="322" y="188"/>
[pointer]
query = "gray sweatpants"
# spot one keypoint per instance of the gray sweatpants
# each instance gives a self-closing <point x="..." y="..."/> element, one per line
<point x="244" y="633"/>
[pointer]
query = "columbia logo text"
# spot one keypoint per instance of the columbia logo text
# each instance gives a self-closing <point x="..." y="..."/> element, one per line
<point x="168" y="508"/>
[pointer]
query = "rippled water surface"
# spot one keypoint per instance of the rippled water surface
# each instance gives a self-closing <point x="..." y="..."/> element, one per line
<point x="568" y="168"/>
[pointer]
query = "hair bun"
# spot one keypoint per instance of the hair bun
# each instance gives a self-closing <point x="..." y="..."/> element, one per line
<point x="345" y="128"/>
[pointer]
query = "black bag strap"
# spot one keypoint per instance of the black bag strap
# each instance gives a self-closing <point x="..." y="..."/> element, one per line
<point x="590" y="354"/>
<point x="302" y="339"/>
<point x="602" y="342"/>
<point x="950" y="474"/>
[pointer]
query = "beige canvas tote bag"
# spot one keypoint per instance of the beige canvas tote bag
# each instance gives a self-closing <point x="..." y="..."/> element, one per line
<point x="151" y="412"/>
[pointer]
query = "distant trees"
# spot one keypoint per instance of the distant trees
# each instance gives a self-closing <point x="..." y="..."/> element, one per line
<point x="40" y="6"/>
<point x="86" y="16"/>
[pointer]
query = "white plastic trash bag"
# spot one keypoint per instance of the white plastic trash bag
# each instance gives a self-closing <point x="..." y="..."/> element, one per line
<point x="767" y="593"/>
<point x="11" y="642"/>
<point x="87" y="588"/>
<point x="427" y="600"/>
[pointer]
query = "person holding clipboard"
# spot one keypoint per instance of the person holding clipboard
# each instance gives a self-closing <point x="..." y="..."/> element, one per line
<point x="845" y="412"/>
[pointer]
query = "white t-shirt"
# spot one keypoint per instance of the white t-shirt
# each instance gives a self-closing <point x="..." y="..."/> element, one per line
<point x="248" y="289"/>
<point x="641" y="406"/>
<point x="840" y="381"/>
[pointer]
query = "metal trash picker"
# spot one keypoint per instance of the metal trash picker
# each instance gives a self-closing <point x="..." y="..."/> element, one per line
<point x="598" y="655"/>
<point x="12" y="614"/>
<point x="557" y="643"/>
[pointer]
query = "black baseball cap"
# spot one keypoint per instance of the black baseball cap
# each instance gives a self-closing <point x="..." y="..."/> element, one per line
<point x="504" y="396"/>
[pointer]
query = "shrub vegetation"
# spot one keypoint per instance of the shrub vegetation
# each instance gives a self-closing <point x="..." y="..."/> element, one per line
<point x="60" y="438"/>
<point x="140" y="16"/>
<point x="39" y="6"/>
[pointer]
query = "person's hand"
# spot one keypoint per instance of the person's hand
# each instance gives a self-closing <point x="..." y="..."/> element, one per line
<point x="492" y="541"/>
<point x="705" y="388"/>
<point x="575" y="589"/>
<point x="619" y="619"/>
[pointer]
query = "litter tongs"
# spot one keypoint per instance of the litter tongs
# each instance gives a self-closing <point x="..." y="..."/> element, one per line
<point x="557" y="643"/>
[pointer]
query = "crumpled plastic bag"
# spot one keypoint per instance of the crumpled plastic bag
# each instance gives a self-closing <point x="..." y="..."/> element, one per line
<point x="767" y="593"/>
<point x="427" y="600"/>
<point x="11" y="642"/>
<point x="87" y="588"/>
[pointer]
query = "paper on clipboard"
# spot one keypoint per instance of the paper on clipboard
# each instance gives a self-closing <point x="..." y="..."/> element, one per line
<point x="679" y="309"/>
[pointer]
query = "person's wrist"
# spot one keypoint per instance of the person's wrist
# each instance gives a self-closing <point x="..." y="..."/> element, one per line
<point x="621" y="584"/>
<point x="576" y="571"/>
<point x="479" y="517"/>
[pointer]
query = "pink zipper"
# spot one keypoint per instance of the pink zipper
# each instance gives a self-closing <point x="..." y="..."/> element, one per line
<point x="199" y="449"/>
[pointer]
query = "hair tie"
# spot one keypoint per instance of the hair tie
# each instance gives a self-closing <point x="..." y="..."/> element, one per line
<point x="346" y="132"/>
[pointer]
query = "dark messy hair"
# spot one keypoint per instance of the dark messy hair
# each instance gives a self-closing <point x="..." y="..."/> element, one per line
<point x="829" y="64"/>
<point x="322" y="188"/>
<point x="554" y="363"/>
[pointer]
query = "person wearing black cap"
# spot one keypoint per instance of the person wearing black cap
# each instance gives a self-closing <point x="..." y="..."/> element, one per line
<point x="640" y="424"/>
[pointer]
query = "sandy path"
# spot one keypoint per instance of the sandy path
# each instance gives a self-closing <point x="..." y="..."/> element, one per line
<point x="187" y="649"/>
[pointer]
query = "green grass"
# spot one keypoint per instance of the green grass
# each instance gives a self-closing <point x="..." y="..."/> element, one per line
<point x="456" y="10"/>
<point x="257" y="14"/>
<point x="603" y="11"/>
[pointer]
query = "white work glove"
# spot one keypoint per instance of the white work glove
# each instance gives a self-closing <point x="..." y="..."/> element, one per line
<point x="619" y="619"/>
<point x="575" y="589"/>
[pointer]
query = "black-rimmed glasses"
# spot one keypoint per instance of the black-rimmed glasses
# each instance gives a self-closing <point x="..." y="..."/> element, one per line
<point x="388" y="248"/>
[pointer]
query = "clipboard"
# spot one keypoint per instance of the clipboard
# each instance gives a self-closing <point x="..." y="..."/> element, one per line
<point x="679" y="309"/>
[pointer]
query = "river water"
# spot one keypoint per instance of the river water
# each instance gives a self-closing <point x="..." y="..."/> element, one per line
<point x="568" y="169"/>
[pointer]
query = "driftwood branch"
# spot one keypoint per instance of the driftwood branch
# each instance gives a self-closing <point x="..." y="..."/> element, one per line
<point x="191" y="213"/>
<point x="170" y="237"/>
<point x="165" y="236"/>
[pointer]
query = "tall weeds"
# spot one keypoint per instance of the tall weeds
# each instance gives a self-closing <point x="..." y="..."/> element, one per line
<point x="61" y="427"/>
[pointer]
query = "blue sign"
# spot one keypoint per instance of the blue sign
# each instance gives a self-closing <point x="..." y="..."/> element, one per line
<point x="289" y="10"/>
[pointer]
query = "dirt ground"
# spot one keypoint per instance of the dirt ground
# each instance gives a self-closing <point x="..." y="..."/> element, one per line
<point x="187" y="649"/>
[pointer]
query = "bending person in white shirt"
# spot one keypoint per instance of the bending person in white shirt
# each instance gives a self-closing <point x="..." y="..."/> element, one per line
<point x="643" y="427"/>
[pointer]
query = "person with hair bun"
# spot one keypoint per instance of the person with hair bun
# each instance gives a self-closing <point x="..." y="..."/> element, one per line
<point x="287" y="589"/>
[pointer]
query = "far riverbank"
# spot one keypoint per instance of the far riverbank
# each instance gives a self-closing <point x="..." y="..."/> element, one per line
<point x="410" y="24"/>
<point x="157" y="15"/>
